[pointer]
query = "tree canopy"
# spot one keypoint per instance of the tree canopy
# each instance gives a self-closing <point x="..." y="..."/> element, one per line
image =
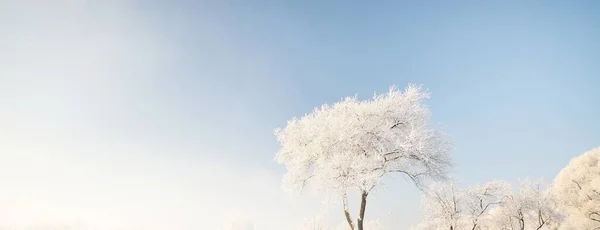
<point x="352" y="144"/>
<point x="577" y="188"/>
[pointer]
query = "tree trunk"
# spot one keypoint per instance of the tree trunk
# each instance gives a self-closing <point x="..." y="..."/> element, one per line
<point x="363" y="204"/>
<point x="522" y="223"/>
<point x="346" y="212"/>
<point x="541" y="221"/>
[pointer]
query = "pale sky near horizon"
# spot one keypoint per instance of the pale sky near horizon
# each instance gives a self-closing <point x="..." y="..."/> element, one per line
<point x="121" y="114"/>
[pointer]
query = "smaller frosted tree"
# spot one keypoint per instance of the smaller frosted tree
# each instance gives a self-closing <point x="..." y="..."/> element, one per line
<point x="353" y="144"/>
<point x="489" y="206"/>
<point x="449" y="208"/>
<point x="577" y="189"/>
<point x="444" y="207"/>
<point x="530" y="207"/>
<point x="481" y="199"/>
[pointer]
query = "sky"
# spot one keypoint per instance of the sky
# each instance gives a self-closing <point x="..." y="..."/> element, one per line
<point x="122" y="114"/>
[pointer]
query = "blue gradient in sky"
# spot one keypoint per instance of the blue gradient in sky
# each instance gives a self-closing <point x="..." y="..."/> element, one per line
<point x="514" y="83"/>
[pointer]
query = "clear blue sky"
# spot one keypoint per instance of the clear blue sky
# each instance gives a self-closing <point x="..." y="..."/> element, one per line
<point x="160" y="115"/>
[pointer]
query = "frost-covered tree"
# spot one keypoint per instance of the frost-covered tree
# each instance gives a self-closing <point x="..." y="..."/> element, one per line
<point x="577" y="189"/>
<point x="447" y="207"/>
<point x="444" y="207"/>
<point x="530" y="207"/>
<point x="490" y="206"/>
<point x="353" y="144"/>
<point x="481" y="199"/>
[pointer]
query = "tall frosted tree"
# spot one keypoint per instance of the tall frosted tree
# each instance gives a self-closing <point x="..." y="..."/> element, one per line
<point x="353" y="144"/>
<point x="577" y="189"/>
